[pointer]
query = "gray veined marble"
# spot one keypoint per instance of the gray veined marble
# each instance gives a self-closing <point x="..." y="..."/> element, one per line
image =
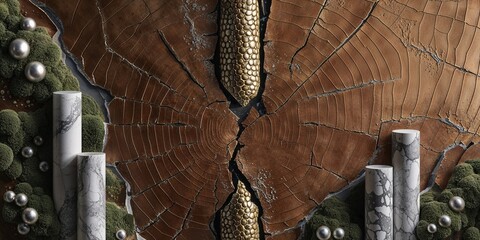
<point x="378" y="202"/>
<point x="91" y="204"/>
<point x="67" y="143"/>
<point x="406" y="165"/>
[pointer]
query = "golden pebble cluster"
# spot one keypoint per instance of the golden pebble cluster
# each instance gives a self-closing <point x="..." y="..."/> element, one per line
<point x="240" y="216"/>
<point x="240" y="48"/>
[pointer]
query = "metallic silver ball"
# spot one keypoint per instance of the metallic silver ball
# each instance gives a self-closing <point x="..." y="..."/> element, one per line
<point x="27" y="152"/>
<point x="9" y="196"/>
<point x="23" y="228"/>
<point x="29" y="24"/>
<point x="44" y="166"/>
<point x="323" y="233"/>
<point x="339" y="233"/>
<point x="35" y="71"/>
<point x="38" y="140"/>
<point x="445" y="221"/>
<point x="21" y="199"/>
<point x="432" y="228"/>
<point x="457" y="204"/>
<point x="19" y="49"/>
<point x="121" y="234"/>
<point x="30" y="216"/>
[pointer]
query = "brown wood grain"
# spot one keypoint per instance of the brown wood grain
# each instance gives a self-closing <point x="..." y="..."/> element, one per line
<point x="340" y="75"/>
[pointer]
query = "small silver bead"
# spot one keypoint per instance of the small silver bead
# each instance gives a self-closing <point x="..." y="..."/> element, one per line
<point x="30" y="216"/>
<point x="323" y="233"/>
<point x="432" y="228"/>
<point x="21" y="199"/>
<point x="23" y="228"/>
<point x="29" y="24"/>
<point x="457" y="204"/>
<point x="38" y="140"/>
<point x="19" y="48"/>
<point x="35" y="71"/>
<point x="44" y="167"/>
<point x="27" y="152"/>
<point x="445" y="221"/>
<point x="339" y="233"/>
<point x="9" y="196"/>
<point x="121" y="234"/>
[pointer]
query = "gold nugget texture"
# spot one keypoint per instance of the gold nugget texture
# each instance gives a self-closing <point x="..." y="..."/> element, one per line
<point x="240" y="48"/>
<point x="239" y="217"/>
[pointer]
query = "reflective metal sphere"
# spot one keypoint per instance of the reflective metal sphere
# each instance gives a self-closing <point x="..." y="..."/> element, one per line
<point x="432" y="228"/>
<point x="445" y="221"/>
<point x="457" y="204"/>
<point x="9" y="196"/>
<point x="27" y="152"/>
<point x="29" y="24"/>
<point x="38" y="140"/>
<point x="23" y="228"/>
<point x="44" y="166"/>
<point x="19" y="48"/>
<point x="35" y="71"/>
<point x="121" y="234"/>
<point x="30" y="215"/>
<point x="323" y="233"/>
<point x="339" y="233"/>
<point x="21" y="199"/>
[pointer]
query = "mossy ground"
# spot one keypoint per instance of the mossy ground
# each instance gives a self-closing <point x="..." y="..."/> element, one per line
<point x="18" y="129"/>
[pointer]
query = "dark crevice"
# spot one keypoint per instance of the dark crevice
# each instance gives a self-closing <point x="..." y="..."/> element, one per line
<point x="242" y="113"/>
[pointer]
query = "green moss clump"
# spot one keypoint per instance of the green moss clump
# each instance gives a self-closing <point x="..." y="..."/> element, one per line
<point x="9" y="122"/>
<point x="334" y="213"/>
<point x="48" y="224"/>
<point x="461" y="170"/>
<point x="15" y="141"/>
<point x="118" y="218"/>
<point x="23" y="188"/>
<point x="15" y="169"/>
<point x="93" y="132"/>
<point x="10" y="212"/>
<point x="29" y="125"/>
<point x="472" y="233"/>
<point x="32" y="174"/>
<point x="6" y="157"/>
<point x="90" y="107"/>
<point x="114" y="185"/>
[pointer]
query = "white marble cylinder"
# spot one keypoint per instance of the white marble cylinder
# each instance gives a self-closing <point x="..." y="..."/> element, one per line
<point x="67" y="143"/>
<point x="406" y="181"/>
<point x="378" y="202"/>
<point x="91" y="205"/>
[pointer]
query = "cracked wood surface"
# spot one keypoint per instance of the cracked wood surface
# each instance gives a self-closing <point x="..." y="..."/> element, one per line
<point x="340" y="75"/>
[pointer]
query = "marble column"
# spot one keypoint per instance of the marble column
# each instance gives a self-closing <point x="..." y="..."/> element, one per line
<point x="406" y="181"/>
<point x="378" y="202"/>
<point x="91" y="204"/>
<point x="67" y="143"/>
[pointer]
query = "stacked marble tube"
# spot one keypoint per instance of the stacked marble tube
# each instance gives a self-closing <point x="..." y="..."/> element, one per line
<point x="379" y="202"/>
<point x="91" y="196"/>
<point x="67" y="143"/>
<point x="406" y="167"/>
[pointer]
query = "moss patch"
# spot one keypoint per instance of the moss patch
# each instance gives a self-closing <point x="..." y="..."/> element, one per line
<point x="93" y="132"/>
<point x="118" y="218"/>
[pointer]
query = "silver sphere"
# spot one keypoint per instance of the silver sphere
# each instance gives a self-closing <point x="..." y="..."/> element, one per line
<point x="19" y="49"/>
<point x="35" y="71"/>
<point x="445" y="221"/>
<point x="21" y="199"/>
<point x="9" y="196"/>
<point x="27" y="152"/>
<point x="38" y="140"/>
<point x="30" y="215"/>
<point x="23" y="228"/>
<point x="339" y="233"/>
<point x="457" y="204"/>
<point x="432" y="228"/>
<point x="121" y="234"/>
<point x="44" y="166"/>
<point x="323" y="233"/>
<point x="29" y="24"/>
